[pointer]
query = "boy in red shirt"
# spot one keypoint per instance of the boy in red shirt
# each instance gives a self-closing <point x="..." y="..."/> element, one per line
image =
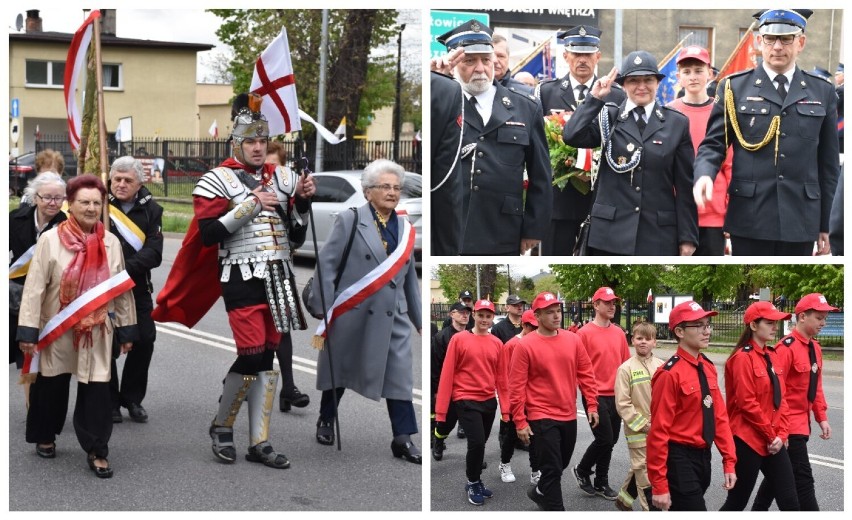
<point x="547" y="367"/>
<point x="469" y="379"/>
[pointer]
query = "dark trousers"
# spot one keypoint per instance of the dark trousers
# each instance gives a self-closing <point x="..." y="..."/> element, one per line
<point x="711" y="242"/>
<point x="599" y="453"/>
<point x="508" y="436"/>
<point x="446" y="427"/>
<point x="134" y="376"/>
<point x="689" y="477"/>
<point x="797" y="450"/>
<point x="554" y="446"/>
<point x="49" y="406"/>
<point x="285" y="362"/>
<point x="476" y="417"/>
<point x="742" y="246"/>
<point x="562" y="237"/>
<point x="776" y="469"/>
<point x="401" y="413"/>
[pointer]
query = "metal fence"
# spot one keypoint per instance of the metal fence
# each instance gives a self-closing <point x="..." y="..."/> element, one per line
<point x="727" y="326"/>
<point x="185" y="160"/>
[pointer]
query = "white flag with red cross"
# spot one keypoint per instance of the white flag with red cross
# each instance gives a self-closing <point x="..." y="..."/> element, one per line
<point x="274" y="81"/>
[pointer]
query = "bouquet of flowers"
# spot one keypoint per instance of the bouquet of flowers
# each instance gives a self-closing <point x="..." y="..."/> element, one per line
<point x="570" y="165"/>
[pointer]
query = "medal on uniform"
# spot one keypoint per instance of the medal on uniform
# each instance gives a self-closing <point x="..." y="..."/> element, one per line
<point x="630" y="148"/>
<point x="708" y="401"/>
<point x="751" y="123"/>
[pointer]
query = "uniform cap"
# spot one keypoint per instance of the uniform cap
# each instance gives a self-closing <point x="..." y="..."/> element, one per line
<point x="483" y="305"/>
<point x="581" y="39"/>
<point x="782" y="21"/>
<point x="814" y="301"/>
<point x="606" y="294"/>
<point x="514" y="299"/>
<point x="823" y="73"/>
<point x="543" y="300"/>
<point x="459" y="306"/>
<point x="764" y="310"/>
<point x="464" y="295"/>
<point x="529" y="317"/>
<point x="472" y="35"/>
<point x="687" y="311"/>
<point x="694" y="52"/>
<point x="639" y="63"/>
<point x="839" y="68"/>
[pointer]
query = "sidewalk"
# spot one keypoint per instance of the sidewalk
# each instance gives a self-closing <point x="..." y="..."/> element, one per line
<point x="832" y="368"/>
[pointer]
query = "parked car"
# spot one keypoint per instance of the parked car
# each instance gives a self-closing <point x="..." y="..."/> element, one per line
<point x="339" y="190"/>
<point x="21" y="170"/>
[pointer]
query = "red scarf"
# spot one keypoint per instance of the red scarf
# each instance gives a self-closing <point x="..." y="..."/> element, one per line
<point x="88" y="268"/>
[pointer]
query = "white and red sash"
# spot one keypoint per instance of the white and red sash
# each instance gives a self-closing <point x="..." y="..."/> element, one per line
<point x="83" y="305"/>
<point x="22" y="265"/>
<point x="372" y="282"/>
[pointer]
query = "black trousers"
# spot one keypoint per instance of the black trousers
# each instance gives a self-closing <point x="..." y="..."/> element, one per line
<point x="689" y="477"/>
<point x="797" y="450"/>
<point x="562" y="237"/>
<point x="477" y="418"/>
<point x="711" y="242"/>
<point x="285" y="362"/>
<point x="776" y="469"/>
<point x="446" y="427"/>
<point x="554" y="446"/>
<point x="49" y="407"/>
<point x="134" y="376"/>
<point x="742" y="246"/>
<point x="401" y="413"/>
<point x="508" y="436"/>
<point x="599" y="453"/>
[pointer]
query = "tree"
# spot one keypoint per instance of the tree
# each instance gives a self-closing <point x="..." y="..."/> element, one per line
<point x="455" y="278"/>
<point x="526" y="288"/>
<point x="705" y="282"/>
<point x="579" y="282"/>
<point x="795" y="281"/>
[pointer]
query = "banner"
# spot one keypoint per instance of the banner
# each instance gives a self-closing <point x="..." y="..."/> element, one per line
<point x="74" y="65"/>
<point x="274" y="81"/>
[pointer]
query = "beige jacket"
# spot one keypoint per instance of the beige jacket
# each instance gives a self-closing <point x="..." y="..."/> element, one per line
<point x="40" y="303"/>
<point x="633" y="396"/>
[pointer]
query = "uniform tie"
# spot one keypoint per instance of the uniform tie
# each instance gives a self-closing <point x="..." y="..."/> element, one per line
<point x="640" y="119"/>
<point x="782" y="89"/>
<point x="812" y="383"/>
<point x="708" y="429"/>
<point x="776" y="385"/>
<point x="581" y="92"/>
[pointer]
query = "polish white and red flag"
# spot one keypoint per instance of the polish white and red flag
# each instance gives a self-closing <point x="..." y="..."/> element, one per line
<point x="214" y="130"/>
<point x="75" y="65"/>
<point x="274" y="81"/>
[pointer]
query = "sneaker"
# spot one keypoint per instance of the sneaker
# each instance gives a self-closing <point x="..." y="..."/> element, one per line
<point x="506" y="474"/>
<point x="535" y="476"/>
<point x="606" y="492"/>
<point x="484" y="491"/>
<point x="473" y="494"/>
<point x="460" y="433"/>
<point x="535" y="496"/>
<point x="438" y="449"/>
<point x="584" y="482"/>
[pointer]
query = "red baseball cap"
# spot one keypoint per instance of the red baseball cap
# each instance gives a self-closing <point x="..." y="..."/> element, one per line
<point x="694" y="52"/>
<point x="483" y="305"/>
<point x="606" y="294"/>
<point x="545" y="299"/>
<point x="688" y="311"/>
<point x="814" y="301"/>
<point x="764" y="310"/>
<point x="529" y="317"/>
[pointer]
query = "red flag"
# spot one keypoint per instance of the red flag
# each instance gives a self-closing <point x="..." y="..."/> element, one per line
<point x="744" y="55"/>
<point x="273" y="80"/>
<point x="74" y="65"/>
<point x="650" y="296"/>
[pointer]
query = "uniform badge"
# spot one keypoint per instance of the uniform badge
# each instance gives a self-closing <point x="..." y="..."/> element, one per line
<point x="582" y="31"/>
<point x="565" y="84"/>
<point x="659" y="114"/>
<point x="657" y="142"/>
<point x="623" y="116"/>
<point x="758" y="81"/>
<point x="637" y="61"/>
<point x="631" y="147"/>
<point x="804" y="84"/>
<point x="751" y="123"/>
<point x="708" y="401"/>
<point x="507" y="102"/>
<point x="716" y="99"/>
<point x="622" y="160"/>
<point x="814" y="368"/>
<point x="762" y="110"/>
<point x="475" y="27"/>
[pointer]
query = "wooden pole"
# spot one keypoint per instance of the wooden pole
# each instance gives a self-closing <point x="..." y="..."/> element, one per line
<point x="104" y="152"/>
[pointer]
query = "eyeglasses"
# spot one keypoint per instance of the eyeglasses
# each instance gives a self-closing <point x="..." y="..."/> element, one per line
<point x="387" y="187"/>
<point x="55" y="200"/>
<point x="700" y="326"/>
<point x="786" y="39"/>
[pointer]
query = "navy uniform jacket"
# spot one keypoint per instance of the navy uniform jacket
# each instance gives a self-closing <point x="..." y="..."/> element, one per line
<point x="446" y="133"/>
<point x="493" y="185"/>
<point x="518" y="86"/>
<point x="789" y="201"/>
<point x="656" y="212"/>
<point x="568" y="203"/>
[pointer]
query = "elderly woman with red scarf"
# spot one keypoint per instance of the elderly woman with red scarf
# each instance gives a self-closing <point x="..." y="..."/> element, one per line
<point x="75" y="298"/>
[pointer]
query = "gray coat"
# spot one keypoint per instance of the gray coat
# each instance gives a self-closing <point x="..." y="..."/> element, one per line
<point x="370" y="344"/>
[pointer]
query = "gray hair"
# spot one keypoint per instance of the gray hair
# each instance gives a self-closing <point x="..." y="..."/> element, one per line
<point x="40" y="181"/>
<point x="127" y="163"/>
<point x="372" y="171"/>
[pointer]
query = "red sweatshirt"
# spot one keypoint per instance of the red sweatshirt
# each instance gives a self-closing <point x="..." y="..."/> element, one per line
<point x="544" y="376"/>
<point x="471" y="372"/>
<point x="794" y="360"/>
<point x="607" y="348"/>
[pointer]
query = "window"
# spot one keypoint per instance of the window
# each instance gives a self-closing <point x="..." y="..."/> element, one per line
<point x="112" y="75"/>
<point x="702" y="36"/>
<point x="332" y="189"/>
<point x="52" y="74"/>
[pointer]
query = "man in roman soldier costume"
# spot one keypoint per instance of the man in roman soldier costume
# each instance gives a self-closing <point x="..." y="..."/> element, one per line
<point x="254" y="213"/>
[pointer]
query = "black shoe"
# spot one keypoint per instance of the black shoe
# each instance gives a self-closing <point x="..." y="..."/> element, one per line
<point x="606" y="492"/>
<point x="325" y="432"/>
<point x="584" y="482"/>
<point x="293" y="398"/>
<point x="409" y="451"/>
<point x="460" y="433"/>
<point x="46" y="452"/>
<point x="116" y="415"/>
<point x="99" y="472"/>
<point x="137" y="413"/>
<point x="535" y="497"/>
<point x="438" y="449"/>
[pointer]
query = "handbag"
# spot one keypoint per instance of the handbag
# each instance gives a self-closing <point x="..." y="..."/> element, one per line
<point x="308" y="291"/>
<point x="581" y="246"/>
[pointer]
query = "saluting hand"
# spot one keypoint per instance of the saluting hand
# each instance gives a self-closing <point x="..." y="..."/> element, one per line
<point x="447" y="63"/>
<point x="602" y="87"/>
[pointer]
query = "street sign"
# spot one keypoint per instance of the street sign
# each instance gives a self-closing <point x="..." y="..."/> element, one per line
<point x="443" y="21"/>
<point x="15" y="131"/>
<point x="16" y="107"/>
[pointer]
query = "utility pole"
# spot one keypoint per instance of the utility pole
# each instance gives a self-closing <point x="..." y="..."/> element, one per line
<point x="397" y="125"/>
<point x="321" y="94"/>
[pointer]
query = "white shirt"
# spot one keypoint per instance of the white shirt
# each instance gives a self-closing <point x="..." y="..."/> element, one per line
<point x="484" y="102"/>
<point x="772" y="74"/>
